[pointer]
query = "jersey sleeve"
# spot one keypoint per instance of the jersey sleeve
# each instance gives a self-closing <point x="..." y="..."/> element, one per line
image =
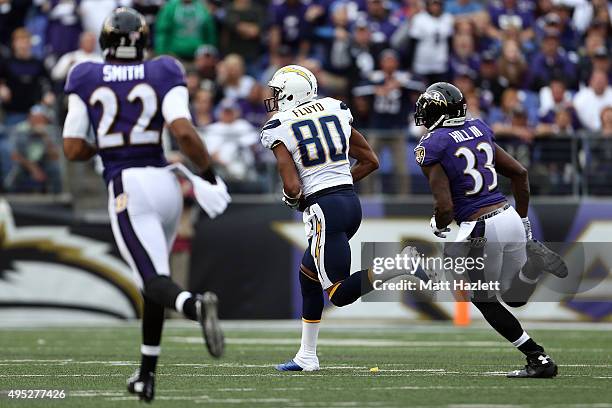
<point x="345" y="109"/>
<point x="173" y="72"/>
<point x="430" y="150"/>
<point x="75" y="78"/>
<point x="270" y="135"/>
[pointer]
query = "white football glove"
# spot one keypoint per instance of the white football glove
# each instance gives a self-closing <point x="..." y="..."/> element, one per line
<point x="213" y="198"/>
<point x="527" y="226"/>
<point x="438" y="232"/>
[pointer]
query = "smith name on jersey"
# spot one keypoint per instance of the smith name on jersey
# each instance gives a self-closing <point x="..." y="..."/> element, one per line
<point x="467" y="154"/>
<point x="316" y="134"/>
<point x="124" y="107"/>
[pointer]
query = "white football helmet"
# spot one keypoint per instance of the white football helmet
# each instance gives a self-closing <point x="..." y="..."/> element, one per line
<point x="292" y="85"/>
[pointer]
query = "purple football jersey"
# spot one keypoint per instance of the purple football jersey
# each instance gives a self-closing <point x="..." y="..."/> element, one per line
<point x="467" y="154"/>
<point x="124" y="106"/>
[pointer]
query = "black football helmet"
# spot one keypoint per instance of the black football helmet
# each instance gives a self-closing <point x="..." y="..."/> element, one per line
<point x="442" y="104"/>
<point x="124" y="35"/>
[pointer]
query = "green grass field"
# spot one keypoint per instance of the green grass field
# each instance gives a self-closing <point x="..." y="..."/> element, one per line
<point x="419" y="366"/>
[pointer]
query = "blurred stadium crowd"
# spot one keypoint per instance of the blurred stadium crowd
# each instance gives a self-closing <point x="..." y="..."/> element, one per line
<point x="538" y="71"/>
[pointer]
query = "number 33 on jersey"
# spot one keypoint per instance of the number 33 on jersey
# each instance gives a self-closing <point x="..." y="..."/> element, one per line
<point x="467" y="154"/>
<point x="316" y="134"/>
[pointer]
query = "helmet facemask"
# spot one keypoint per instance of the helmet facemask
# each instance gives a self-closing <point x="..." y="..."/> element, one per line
<point x="271" y="103"/>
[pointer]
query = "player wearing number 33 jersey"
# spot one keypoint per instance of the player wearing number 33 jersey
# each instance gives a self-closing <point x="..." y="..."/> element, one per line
<point x="461" y="160"/>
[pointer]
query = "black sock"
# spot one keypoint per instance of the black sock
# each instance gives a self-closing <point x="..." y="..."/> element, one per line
<point x="152" y="326"/>
<point x="530" y="347"/>
<point x="147" y="365"/>
<point x="189" y="308"/>
<point x="500" y="319"/>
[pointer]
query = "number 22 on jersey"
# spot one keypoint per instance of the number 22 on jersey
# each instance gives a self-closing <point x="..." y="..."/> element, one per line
<point x="139" y="133"/>
<point x="308" y="134"/>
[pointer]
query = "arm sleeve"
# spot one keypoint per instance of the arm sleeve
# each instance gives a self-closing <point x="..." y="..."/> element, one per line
<point x="176" y="104"/>
<point x="77" y="119"/>
<point x="429" y="151"/>
<point x="269" y="137"/>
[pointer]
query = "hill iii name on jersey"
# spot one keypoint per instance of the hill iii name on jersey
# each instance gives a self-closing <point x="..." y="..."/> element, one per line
<point x="317" y="136"/>
<point x="467" y="154"/>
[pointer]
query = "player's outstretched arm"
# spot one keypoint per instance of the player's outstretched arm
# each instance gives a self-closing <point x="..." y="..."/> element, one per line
<point x="360" y="150"/>
<point x="440" y="188"/>
<point x="508" y="166"/>
<point x="292" y="186"/>
<point x="192" y="146"/>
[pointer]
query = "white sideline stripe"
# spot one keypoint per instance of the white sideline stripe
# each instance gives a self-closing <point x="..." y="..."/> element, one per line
<point x="341" y="342"/>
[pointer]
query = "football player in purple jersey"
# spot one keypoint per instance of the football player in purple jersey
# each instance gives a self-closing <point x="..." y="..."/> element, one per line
<point x="461" y="160"/>
<point x="127" y="100"/>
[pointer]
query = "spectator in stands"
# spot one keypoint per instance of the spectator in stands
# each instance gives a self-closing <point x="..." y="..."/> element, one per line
<point x="552" y="61"/>
<point x="606" y="122"/>
<point x="252" y="107"/>
<point x="86" y="52"/>
<point x="511" y="15"/>
<point x="470" y="11"/>
<point x="464" y="57"/>
<point x="381" y="23"/>
<point x="591" y="100"/>
<point x="512" y="64"/>
<point x="489" y="82"/>
<point x="230" y="142"/>
<point x="289" y="27"/>
<point x="430" y="31"/>
<point x="36" y="155"/>
<point x="354" y="54"/>
<point x="205" y="66"/>
<point x="243" y="25"/>
<point x="474" y="109"/>
<point x="593" y="43"/>
<point x="12" y="16"/>
<point x="24" y="81"/>
<point x="589" y="12"/>
<point x="202" y="105"/>
<point x="182" y="26"/>
<point x="562" y="123"/>
<point x="232" y="79"/>
<point x="510" y="119"/>
<point x="283" y="57"/>
<point x="553" y="98"/>
<point x="63" y="27"/>
<point x="392" y="94"/>
<point x="407" y="10"/>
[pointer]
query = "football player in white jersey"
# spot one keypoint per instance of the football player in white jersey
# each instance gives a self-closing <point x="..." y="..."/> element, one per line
<point x="312" y="140"/>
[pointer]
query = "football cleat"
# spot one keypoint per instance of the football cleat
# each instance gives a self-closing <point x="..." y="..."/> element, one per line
<point x="539" y="365"/>
<point x="545" y="259"/>
<point x="143" y="386"/>
<point x="289" y="366"/>
<point x="206" y="307"/>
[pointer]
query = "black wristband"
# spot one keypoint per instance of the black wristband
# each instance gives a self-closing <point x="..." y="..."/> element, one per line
<point x="209" y="175"/>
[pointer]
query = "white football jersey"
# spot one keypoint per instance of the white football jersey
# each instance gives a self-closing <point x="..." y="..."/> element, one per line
<point x="317" y="136"/>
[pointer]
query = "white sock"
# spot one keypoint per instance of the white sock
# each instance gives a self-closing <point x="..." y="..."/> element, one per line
<point x="521" y="340"/>
<point x="306" y="356"/>
<point x="180" y="300"/>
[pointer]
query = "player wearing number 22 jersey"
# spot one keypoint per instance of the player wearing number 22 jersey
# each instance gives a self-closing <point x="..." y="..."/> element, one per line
<point x="461" y="160"/>
<point x="127" y="101"/>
